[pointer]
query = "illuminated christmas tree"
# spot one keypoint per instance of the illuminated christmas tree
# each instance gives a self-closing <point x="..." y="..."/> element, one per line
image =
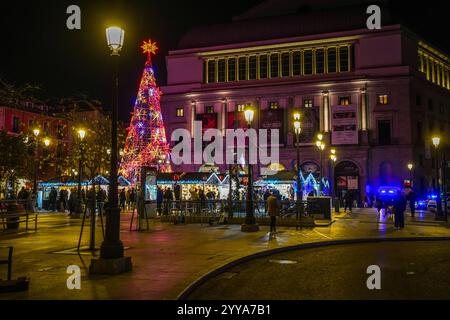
<point x="146" y="143"/>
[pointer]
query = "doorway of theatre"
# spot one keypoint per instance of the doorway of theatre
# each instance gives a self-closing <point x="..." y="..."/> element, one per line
<point x="346" y="179"/>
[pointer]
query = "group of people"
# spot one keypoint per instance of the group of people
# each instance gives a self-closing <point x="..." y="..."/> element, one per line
<point x="127" y="199"/>
<point x="397" y="205"/>
<point x="201" y="198"/>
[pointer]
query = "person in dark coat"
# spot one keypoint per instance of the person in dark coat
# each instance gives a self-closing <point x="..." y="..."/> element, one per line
<point x="159" y="199"/>
<point x="399" y="210"/>
<point x="122" y="199"/>
<point x="52" y="199"/>
<point x="348" y="201"/>
<point x="168" y="199"/>
<point x="412" y="202"/>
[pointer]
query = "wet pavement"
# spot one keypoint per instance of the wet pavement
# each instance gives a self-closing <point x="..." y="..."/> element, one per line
<point x="168" y="258"/>
<point x="408" y="270"/>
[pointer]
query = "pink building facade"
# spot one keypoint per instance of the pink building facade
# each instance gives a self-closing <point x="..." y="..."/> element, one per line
<point x="377" y="96"/>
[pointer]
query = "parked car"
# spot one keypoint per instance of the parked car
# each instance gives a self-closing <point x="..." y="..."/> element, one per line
<point x="432" y="205"/>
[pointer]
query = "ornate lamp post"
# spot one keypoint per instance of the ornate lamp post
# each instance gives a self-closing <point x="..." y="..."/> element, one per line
<point x="81" y="134"/>
<point x="36" y="133"/>
<point x="112" y="260"/>
<point x="297" y="131"/>
<point x="410" y="168"/>
<point x="250" y="221"/>
<point x="321" y="146"/>
<point x="333" y="159"/>
<point x="436" y="141"/>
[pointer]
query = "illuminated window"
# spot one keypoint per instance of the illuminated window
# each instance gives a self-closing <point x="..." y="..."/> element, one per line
<point x="242" y="62"/>
<point x="263" y="66"/>
<point x="383" y="99"/>
<point x="240" y="107"/>
<point x="320" y="61"/>
<point x="331" y="55"/>
<point x="273" y="105"/>
<point x="307" y="62"/>
<point x="211" y="71"/>
<point x="344" y="101"/>
<point x="308" y="103"/>
<point x="343" y="59"/>
<point x="180" y="112"/>
<point x="209" y="109"/>
<point x="296" y="63"/>
<point x="285" y="57"/>
<point x="274" y="59"/>
<point x="221" y="70"/>
<point x="252" y="68"/>
<point x="232" y="69"/>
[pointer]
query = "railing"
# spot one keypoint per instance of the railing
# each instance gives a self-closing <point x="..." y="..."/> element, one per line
<point x="14" y="212"/>
<point x="215" y="208"/>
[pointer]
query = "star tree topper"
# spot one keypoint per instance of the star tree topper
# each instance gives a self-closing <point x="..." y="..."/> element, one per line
<point x="150" y="48"/>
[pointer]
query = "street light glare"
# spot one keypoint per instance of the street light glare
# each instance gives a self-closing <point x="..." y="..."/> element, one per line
<point x="81" y="133"/>
<point x="46" y="142"/>
<point x="297" y="116"/>
<point x="114" y="38"/>
<point x="320" y="136"/>
<point x="36" y="132"/>
<point x="249" y="113"/>
<point x="436" y="141"/>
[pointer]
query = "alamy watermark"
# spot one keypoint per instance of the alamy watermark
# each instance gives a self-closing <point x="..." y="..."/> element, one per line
<point x="226" y="147"/>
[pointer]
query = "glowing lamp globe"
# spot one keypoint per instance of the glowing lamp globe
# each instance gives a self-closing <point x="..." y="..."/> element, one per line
<point x="114" y="38"/>
<point x="249" y="113"/>
<point x="436" y="141"/>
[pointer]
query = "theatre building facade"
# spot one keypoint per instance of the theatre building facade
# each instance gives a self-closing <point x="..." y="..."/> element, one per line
<point x="377" y="96"/>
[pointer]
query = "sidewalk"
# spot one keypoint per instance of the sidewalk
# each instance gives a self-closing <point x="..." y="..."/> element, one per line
<point x="168" y="258"/>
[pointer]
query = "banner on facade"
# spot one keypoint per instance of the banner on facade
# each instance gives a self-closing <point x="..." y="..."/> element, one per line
<point x="344" y="124"/>
<point x="352" y="183"/>
<point x="236" y="118"/>
<point x="310" y="125"/>
<point x="273" y="119"/>
<point x="209" y="120"/>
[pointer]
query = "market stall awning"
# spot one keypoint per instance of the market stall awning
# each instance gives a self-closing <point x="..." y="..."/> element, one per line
<point x="281" y="177"/>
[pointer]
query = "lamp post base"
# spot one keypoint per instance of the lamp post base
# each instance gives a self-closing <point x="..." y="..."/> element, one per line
<point x="250" y="227"/>
<point x="110" y="266"/>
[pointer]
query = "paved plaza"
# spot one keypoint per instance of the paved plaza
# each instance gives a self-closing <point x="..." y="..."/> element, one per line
<point x="169" y="258"/>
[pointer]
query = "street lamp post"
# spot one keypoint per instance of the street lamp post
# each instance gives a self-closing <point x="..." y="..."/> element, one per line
<point x="81" y="135"/>
<point x="250" y="221"/>
<point x="333" y="159"/>
<point x="321" y="146"/>
<point x="297" y="131"/>
<point x="36" y="133"/>
<point x="112" y="260"/>
<point x="410" y="168"/>
<point x="436" y="141"/>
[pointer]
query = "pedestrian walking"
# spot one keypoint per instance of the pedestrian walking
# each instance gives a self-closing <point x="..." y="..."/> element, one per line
<point x="273" y="210"/>
<point x="399" y="210"/>
<point x="412" y="202"/>
<point x="52" y="199"/>
<point x="348" y="199"/>
<point x="159" y="199"/>
<point x="101" y="197"/>
<point x="122" y="199"/>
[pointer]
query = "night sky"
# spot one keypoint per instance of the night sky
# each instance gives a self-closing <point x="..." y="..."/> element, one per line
<point x="38" y="48"/>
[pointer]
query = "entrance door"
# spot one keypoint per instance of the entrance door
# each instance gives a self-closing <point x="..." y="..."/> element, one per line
<point x="346" y="179"/>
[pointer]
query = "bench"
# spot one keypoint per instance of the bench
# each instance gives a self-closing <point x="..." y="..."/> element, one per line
<point x="8" y="261"/>
<point x="18" y="215"/>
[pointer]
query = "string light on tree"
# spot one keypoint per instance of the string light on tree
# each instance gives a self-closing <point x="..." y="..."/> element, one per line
<point x="146" y="142"/>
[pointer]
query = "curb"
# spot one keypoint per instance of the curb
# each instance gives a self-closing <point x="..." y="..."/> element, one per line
<point x="187" y="292"/>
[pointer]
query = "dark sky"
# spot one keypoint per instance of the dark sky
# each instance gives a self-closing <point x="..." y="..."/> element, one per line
<point x="37" y="47"/>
